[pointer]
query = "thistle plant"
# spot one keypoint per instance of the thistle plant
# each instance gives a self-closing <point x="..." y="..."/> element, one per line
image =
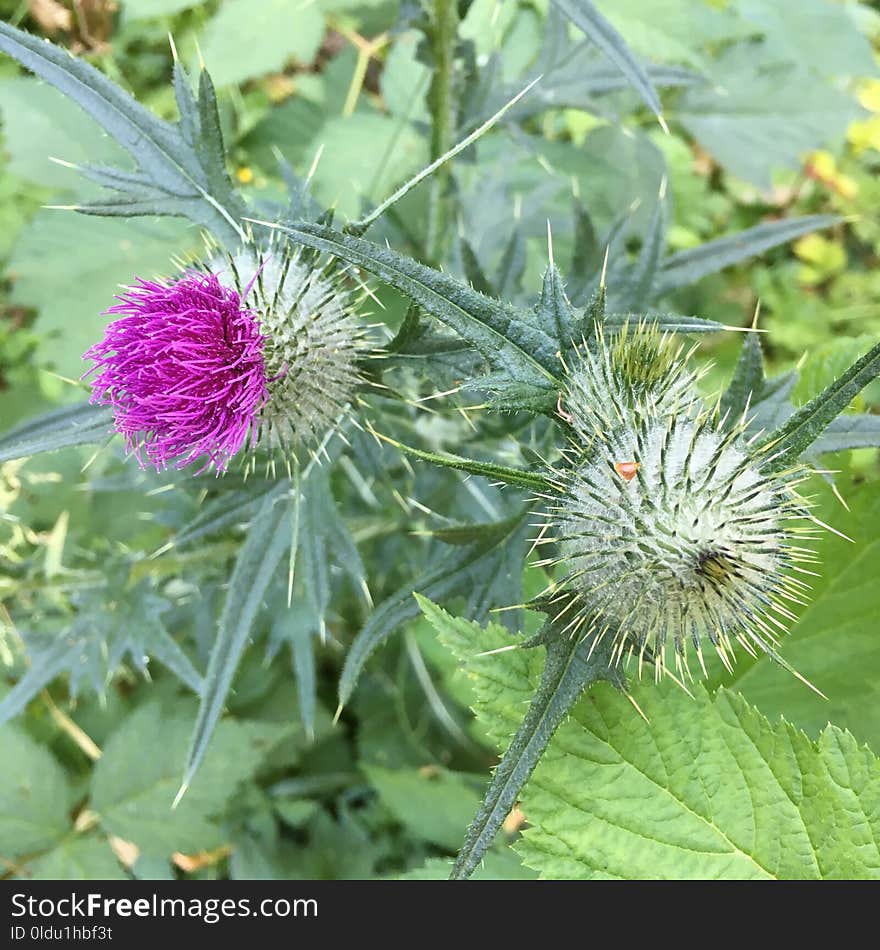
<point x="671" y="528"/>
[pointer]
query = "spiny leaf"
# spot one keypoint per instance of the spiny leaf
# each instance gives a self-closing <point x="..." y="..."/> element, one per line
<point x="446" y="575"/>
<point x="504" y="336"/>
<point x="687" y="267"/>
<point x="849" y="432"/>
<point x="748" y="378"/>
<point x="112" y="623"/>
<point x="500" y="473"/>
<point x="268" y="538"/>
<point x="179" y="164"/>
<point x="58" y="429"/>
<point x="588" y="19"/>
<point x="805" y="425"/>
<point x="571" y="666"/>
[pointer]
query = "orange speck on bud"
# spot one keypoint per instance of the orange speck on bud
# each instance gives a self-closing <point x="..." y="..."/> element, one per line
<point x="626" y="470"/>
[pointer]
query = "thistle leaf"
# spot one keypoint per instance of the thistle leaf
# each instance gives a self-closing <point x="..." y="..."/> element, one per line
<point x="500" y="473"/>
<point x="570" y="668"/>
<point x="588" y="19"/>
<point x="805" y="425"/>
<point x="849" y="432"/>
<point x="687" y="267"/>
<point x="59" y="429"/>
<point x="268" y="538"/>
<point x="447" y="574"/>
<point x="180" y="163"/>
<point x="506" y="337"/>
<point x="748" y="379"/>
<point x="721" y="792"/>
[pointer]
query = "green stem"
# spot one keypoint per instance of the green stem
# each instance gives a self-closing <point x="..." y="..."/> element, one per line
<point x="568" y="672"/>
<point x="443" y="38"/>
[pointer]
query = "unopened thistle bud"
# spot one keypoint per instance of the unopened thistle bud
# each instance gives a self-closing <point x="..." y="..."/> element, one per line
<point x="253" y="351"/>
<point x="668" y="532"/>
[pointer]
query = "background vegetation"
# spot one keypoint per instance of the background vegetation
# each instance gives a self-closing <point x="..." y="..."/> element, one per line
<point x="774" y="111"/>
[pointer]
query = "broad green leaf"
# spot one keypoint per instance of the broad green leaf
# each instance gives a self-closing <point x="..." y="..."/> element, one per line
<point x="134" y="781"/>
<point x="149" y="9"/>
<point x="445" y="575"/>
<point x="432" y="804"/>
<point x="805" y="425"/>
<point x="268" y="537"/>
<point x="80" y="858"/>
<point x="249" y="38"/>
<point x="59" y="250"/>
<point x="708" y="788"/>
<point x="173" y="167"/>
<point x="58" y="429"/>
<point x="505" y="337"/>
<point x="572" y="665"/>
<point x="754" y="117"/>
<point x="39" y="125"/>
<point x="687" y="267"/>
<point x="588" y="19"/>
<point x="35" y="796"/>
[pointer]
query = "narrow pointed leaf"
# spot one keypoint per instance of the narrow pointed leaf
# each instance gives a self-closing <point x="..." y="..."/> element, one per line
<point x="268" y="538"/>
<point x="503" y="335"/>
<point x="554" y="309"/>
<point x="806" y="424"/>
<point x="72" y="425"/>
<point x="588" y="19"/>
<point x="748" y="378"/>
<point x="501" y="473"/>
<point x="446" y="575"/>
<point x="687" y="267"/>
<point x="849" y="432"/>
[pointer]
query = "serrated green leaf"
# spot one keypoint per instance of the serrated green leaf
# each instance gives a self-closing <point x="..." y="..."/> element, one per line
<point x="173" y="166"/>
<point x="81" y="858"/>
<point x="805" y="425"/>
<point x="35" y="796"/>
<point x="687" y="267"/>
<point x="269" y="536"/>
<point x="504" y="336"/>
<point x="588" y="19"/>
<point x="133" y="791"/>
<point x="705" y="789"/>
<point x="59" y="429"/>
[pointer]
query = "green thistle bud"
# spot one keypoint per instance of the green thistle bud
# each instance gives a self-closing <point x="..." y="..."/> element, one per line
<point x="668" y="532"/>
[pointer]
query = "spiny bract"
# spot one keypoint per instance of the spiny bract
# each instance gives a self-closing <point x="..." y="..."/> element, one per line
<point x="668" y="530"/>
<point x="313" y="341"/>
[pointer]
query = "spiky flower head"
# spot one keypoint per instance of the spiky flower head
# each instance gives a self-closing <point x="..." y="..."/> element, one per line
<point x="669" y="533"/>
<point x="183" y="368"/>
<point x="251" y="350"/>
<point x="313" y="340"/>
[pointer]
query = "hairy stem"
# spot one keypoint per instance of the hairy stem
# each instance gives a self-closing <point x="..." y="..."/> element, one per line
<point x="568" y="672"/>
<point x="443" y="38"/>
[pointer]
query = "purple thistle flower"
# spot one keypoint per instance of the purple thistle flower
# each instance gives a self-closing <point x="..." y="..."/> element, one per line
<point x="184" y="370"/>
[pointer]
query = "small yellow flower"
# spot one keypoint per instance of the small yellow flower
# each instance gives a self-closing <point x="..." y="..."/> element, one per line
<point x="245" y="175"/>
<point x="864" y="134"/>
